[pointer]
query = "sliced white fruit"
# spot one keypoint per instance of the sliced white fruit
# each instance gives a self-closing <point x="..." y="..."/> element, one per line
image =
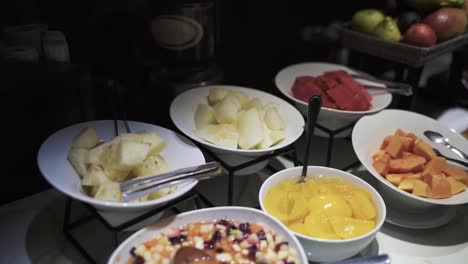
<point x="273" y="119"/>
<point x="226" y="111"/>
<point x="266" y="142"/>
<point x="109" y="191"/>
<point x="86" y="139"/>
<point x="204" y="115"/>
<point x="95" y="176"/>
<point x="215" y="95"/>
<point x="243" y="98"/>
<point x="152" y="165"/>
<point x="250" y="129"/>
<point x="131" y="153"/>
<point x="96" y="154"/>
<point x="114" y="173"/>
<point x="157" y="143"/>
<point x="77" y="158"/>
<point x="270" y="105"/>
<point x="255" y="102"/>
<point x="224" y="135"/>
<point x="277" y="136"/>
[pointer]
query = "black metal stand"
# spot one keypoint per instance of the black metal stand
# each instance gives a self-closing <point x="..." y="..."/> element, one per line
<point x="69" y="226"/>
<point x="233" y="169"/>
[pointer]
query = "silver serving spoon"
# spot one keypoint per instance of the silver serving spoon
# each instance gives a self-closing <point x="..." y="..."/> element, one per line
<point x="380" y="259"/>
<point x="315" y="103"/>
<point x="440" y="139"/>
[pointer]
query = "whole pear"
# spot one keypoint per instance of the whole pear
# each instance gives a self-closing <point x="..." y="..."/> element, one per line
<point x="447" y="22"/>
<point x="388" y="30"/>
<point x="366" y="20"/>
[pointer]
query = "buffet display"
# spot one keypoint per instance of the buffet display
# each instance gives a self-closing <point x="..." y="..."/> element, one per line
<point x="331" y="216"/>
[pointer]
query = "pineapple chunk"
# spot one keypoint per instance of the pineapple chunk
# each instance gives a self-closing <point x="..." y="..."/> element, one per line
<point x="250" y="129"/>
<point x="95" y="176"/>
<point x="131" y="153"/>
<point x="109" y="191"/>
<point x="96" y="154"/>
<point x="152" y="165"/>
<point x="361" y="206"/>
<point x="347" y="227"/>
<point x="117" y="174"/>
<point x="273" y="119"/>
<point x="77" y="158"/>
<point x="215" y="95"/>
<point x="86" y="139"/>
<point x="156" y="143"/>
<point x="160" y="193"/>
<point x="224" y="135"/>
<point x="204" y="115"/>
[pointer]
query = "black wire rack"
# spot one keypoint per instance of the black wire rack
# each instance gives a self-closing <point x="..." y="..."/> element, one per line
<point x="69" y="225"/>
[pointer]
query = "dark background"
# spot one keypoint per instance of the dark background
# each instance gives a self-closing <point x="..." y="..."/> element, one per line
<point x="108" y="39"/>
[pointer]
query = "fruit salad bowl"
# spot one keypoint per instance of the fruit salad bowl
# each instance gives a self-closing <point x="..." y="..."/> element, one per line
<point x="190" y="108"/>
<point x="329" y="117"/>
<point x="321" y="249"/>
<point x="368" y="135"/>
<point x="123" y="254"/>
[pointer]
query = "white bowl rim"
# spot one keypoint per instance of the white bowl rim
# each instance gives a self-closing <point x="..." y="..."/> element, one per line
<point x="332" y="241"/>
<point x="101" y="203"/>
<point x="387" y="183"/>
<point x="280" y="145"/>
<point x="285" y="93"/>
<point x="300" y="254"/>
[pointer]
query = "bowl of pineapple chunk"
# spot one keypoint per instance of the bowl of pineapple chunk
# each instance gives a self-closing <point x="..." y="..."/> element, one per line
<point x="87" y="162"/>
<point x="334" y="214"/>
<point x="237" y="123"/>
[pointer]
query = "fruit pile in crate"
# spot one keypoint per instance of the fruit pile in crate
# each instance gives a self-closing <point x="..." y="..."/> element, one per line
<point x="423" y="23"/>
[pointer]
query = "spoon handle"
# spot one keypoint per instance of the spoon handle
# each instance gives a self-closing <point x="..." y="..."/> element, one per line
<point x="456" y="151"/>
<point x="380" y="259"/>
<point x="315" y="103"/>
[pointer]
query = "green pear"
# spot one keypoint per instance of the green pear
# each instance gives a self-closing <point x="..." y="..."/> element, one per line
<point x="388" y="30"/>
<point x="366" y="20"/>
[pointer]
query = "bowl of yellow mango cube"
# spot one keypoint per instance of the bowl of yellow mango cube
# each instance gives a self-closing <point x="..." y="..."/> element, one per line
<point x="334" y="214"/>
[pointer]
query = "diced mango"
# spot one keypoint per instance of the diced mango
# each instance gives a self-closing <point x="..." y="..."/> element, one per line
<point x="435" y="166"/>
<point x="317" y="225"/>
<point x="380" y="164"/>
<point x="439" y="185"/>
<point x="278" y="204"/>
<point x="299" y="206"/>
<point x="417" y="176"/>
<point x="411" y="163"/>
<point x="408" y="143"/>
<point x="361" y="206"/>
<point x="423" y="149"/>
<point x="454" y="171"/>
<point x="455" y="186"/>
<point x="400" y="132"/>
<point x="412" y="135"/>
<point x="385" y="142"/>
<point x="378" y="154"/>
<point x="395" y="146"/>
<point x="407" y="184"/>
<point x="330" y="203"/>
<point x="347" y="227"/>
<point x="421" y="188"/>
<point x="394" y="179"/>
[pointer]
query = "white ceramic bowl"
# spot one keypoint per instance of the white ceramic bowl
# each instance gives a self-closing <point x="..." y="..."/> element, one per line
<point x="330" y="118"/>
<point x="326" y="250"/>
<point x="54" y="166"/>
<point x="182" y="114"/>
<point x="122" y="253"/>
<point x="368" y="135"/>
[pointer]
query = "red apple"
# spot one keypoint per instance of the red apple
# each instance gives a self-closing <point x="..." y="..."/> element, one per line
<point x="420" y="35"/>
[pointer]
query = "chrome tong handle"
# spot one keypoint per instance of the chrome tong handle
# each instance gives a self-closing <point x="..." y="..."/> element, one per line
<point x="136" y="188"/>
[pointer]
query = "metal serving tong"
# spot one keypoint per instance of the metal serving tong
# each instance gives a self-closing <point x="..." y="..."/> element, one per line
<point x="390" y="86"/>
<point x="136" y="188"/>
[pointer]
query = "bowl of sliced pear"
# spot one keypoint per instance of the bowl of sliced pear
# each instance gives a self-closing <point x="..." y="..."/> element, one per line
<point x="237" y="123"/>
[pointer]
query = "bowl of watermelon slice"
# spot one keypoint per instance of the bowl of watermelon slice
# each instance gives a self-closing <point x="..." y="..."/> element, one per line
<point x="344" y="98"/>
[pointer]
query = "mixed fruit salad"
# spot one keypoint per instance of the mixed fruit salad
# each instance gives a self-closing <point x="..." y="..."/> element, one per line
<point x="218" y="241"/>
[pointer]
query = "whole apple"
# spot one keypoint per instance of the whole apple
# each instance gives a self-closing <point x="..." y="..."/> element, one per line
<point x="420" y="35"/>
